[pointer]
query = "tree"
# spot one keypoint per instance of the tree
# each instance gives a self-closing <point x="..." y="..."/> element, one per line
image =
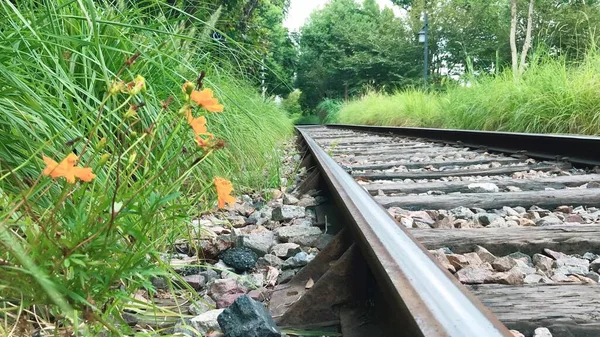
<point x="519" y="67"/>
<point x="346" y="47"/>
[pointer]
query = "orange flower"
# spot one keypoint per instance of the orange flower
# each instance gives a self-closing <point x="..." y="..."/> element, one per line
<point x="198" y="124"/>
<point x="206" y="100"/>
<point x="224" y="190"/>
<point x="67" y="169"/>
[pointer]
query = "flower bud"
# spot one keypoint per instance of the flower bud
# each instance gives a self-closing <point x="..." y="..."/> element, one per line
<point x="101" y="143"/>
<point x="187" y="88"/>
<point x="103" y="159"/>
<point x="138" y="85"/>
<point x="131" y="159"/>
<point x="116" y="87"/>
<point x="132" y="112"/>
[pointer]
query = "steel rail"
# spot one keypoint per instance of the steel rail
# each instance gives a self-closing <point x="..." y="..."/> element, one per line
<point x="427" y="299"/>
<point x="577" y="149"/>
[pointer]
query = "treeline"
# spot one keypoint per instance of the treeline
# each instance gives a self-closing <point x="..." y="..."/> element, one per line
<point x="347" y="48"/>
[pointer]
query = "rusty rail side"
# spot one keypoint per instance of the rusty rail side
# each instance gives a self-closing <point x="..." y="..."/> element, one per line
<point x="428" y="301"/>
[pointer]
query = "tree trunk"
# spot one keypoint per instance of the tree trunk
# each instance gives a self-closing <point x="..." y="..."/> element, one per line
<point x="513" y="36"/>
<point x="527" y="43"/>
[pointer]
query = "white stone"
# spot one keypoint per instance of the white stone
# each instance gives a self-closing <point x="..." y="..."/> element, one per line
<point x="542" y="332"/>
<point x="207" y="321"/>
<point x="483" y="187"/>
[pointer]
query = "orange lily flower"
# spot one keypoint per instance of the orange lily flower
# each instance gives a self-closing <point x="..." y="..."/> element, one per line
<point x="224" y="190"/>
<point x="206" y="100"/>
<point x="198" y="124"/>
<point x="67" y="169"/>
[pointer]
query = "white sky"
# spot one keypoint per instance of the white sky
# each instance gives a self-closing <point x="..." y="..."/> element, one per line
<point x="300" y="10"/>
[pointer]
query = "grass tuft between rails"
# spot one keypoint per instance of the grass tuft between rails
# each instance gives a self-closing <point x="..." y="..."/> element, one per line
<point x="551" y="97"/>
<point x="72" y="254"/>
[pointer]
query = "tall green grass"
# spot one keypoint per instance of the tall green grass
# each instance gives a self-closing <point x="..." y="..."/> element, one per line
<point x="72" y="253"/>
<point x="551" y="97"/>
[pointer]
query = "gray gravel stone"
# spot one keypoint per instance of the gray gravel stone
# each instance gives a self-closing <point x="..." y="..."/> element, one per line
<point x="533" y="279"/>
<point x="197" y="281"/>
<point x="269" y="260"/>
<point x="542" y="262"/>
<point x="458" y="261"/>
<point x="301" y="259"/>
<point x="289" y="199"/>
<point x="285" y="250"/>
<point x="206" y="322"/>
<point x="443" y="221"/>
<point x="523" y="257"/>
<point x="510" y="211"/>
<point x="462" y="213"/>
<point x="595" y="265"/>
<point x="474" y="275"/>
<point x="488" y="219"/>
<point x="446" y="250"/>
<point x="555" y="255"/>
<point x="523" y="268"/>
<point x="288" y="212"/>
<point x="247" y="318"/>
<point x="443" y="260"/>
<point x="261" y="216"/>
<point x="202" y="306"/>
<point x="307" y="201"/>
<point x="520" y="209"/>
<point x="299" y="234"/>
<point x="549" y="220"/>
<point x="307" y="222"/>
<point x="210" y="275"/>
<point x="593" y="275"/>
<point x="259" y="242"/>
<point x="484" y="254"/>
<point x="511" y="277"/>
<point x="504" y="263"/>
<point x="572" y="265"/>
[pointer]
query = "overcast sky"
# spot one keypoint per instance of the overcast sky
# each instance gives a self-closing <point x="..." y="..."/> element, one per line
<point x="301" y="9"/>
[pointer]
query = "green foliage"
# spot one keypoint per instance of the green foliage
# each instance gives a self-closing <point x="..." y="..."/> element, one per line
<point x="306" y="119"/>
<point x="551" y="97"/>
<point x="291" y="103"/>
<point x="328" y="110"/>
<point x="255" y="28"/>
<point x="406" y="108"/>
<point x="346" y="46"/>
<point x="460" y="32"/>
<point x="88" y="246"/>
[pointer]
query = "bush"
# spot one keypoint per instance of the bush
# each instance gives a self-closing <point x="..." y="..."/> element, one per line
<point x="328" y="110"/>
<point x="291" y="104"/>
<point x="407" y="108"/>
<point x="309" y="119"/>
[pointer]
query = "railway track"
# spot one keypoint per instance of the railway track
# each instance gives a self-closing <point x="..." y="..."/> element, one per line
<point x="449" y="233"/>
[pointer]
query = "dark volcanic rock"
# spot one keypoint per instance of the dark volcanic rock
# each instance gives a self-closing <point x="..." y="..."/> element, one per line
<point x="247" y="318"/>
<point x="242" y="259"/>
